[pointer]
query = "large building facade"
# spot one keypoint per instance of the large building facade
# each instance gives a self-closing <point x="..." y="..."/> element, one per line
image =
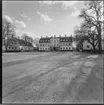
<point x="54" y="43"/>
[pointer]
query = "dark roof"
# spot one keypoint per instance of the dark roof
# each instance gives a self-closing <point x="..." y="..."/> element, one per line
<point x="25" y="43"/>
<point x="65" y="39"/>
<point x="62" y="39"/>
<point x="45" y="40"/>
<point x="22" y="42"/>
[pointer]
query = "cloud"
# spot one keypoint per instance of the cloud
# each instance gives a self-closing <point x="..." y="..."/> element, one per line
<point x="75" y="13"/>
<point x="8" y="18"/>
<point x="20" y="24"/>
<point x="65" y="4"/>
<point x="39" y="13"/>
<point x="31" y="34"/>
<point x="19" y="32"/>
<point x="45" y="17"/>
<point x="24" y="16"/>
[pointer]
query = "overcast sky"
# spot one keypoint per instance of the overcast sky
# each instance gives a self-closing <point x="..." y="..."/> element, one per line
<point x="38" y="18"/>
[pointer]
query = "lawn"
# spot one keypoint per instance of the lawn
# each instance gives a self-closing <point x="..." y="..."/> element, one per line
<point x="44" y="76"/>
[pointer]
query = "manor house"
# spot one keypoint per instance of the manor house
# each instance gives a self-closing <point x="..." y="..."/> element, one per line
<point x="54" y="43"/>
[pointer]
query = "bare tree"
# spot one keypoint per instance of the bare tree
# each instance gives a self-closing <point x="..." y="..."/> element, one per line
<point x="79" y="37"/>
<point x="27" y="38"/>
<point x="36" y="41"/>
<point x="8" y="31"/>
<point x="86" y="32"/>
<point x="92" y="14"/>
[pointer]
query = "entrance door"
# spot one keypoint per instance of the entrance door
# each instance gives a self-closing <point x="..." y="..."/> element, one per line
<point x="54" y="48"/>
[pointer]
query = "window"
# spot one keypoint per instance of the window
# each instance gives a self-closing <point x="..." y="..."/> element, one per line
<point x="15" y="47"/>
<point x="69" y="48"/>
<point x="69" y="44"/>
<point x="66" y="48"/>
<point x="88" y="46"/>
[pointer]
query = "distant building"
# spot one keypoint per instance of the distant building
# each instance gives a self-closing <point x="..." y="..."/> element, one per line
<point x="54" y="43"/>
<point x="15" y="44"/>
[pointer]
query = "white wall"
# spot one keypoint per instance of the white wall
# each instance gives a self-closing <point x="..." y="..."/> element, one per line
<point x="85" y="44"/>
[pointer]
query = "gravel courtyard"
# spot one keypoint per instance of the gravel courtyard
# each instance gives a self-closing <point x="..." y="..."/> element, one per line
<point x="52" y="77"/>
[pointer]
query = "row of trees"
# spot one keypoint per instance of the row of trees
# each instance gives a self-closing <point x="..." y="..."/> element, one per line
<point x="92" y="25"/>
<point x="9" y="31"/>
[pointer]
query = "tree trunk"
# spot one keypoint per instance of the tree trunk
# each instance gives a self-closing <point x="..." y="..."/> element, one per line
<point x="94" y="48"/>
<point x="99" y="40"/>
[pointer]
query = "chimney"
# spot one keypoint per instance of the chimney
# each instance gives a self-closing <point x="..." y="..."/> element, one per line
<point x="54" y="35"/>
<point x="65" y="35"/>
<point x="41" y="36"/>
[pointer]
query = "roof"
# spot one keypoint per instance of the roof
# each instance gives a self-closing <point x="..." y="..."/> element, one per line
<point x="65" y="39"/>
<point x="62" y="39"/>
<point x="45" y="40"/>
<point x="22" y="42"/>
<point x="25" y="43"/>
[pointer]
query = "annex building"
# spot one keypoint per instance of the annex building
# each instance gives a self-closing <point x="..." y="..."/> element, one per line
<point x="15" y="44"/>
<point x="54" y="43"/>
